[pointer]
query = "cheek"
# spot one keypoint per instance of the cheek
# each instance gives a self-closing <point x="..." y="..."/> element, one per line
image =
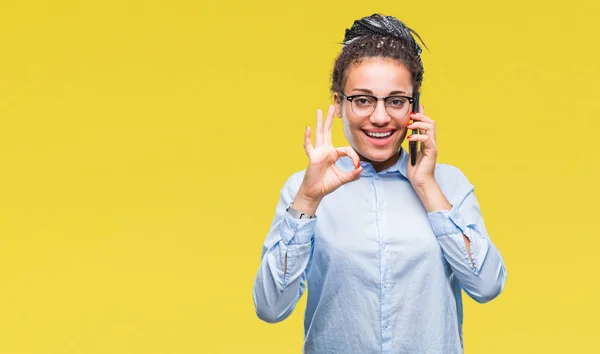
<point x="405" y="121"/>
<point x="350" y="122"/>
<point x="351" y="130"/>
<point x="348" y="128"/>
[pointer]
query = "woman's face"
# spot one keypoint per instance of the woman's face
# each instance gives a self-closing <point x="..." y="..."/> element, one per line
<point x="378" y="77"/>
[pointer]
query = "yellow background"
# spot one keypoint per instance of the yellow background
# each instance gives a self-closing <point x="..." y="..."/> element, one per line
<point x="143" y="145"/>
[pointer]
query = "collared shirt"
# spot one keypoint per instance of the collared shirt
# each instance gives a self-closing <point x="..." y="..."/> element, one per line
<point x="383" y="274"/>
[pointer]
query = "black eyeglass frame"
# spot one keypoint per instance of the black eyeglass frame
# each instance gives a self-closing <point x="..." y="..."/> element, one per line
<point x="411" y="100"/>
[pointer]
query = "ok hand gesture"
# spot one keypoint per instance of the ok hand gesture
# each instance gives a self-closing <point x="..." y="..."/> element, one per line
<point x="322" y="175"/>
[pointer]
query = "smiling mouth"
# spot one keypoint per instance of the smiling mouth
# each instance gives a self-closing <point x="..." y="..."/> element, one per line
<point x="379" y="135"/>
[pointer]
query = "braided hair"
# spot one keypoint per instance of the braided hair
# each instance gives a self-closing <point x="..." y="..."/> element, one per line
<point x="378" y="36"/>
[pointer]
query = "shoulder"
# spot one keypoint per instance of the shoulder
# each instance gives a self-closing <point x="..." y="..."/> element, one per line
<point x="448" y="172"/>
<point x="453" y="181"/>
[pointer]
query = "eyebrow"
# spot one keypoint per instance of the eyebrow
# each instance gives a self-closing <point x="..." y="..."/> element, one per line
<point x="367" y="91"/>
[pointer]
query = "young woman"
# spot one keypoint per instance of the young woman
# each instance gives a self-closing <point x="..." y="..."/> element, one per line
<point x="384" y="246"/>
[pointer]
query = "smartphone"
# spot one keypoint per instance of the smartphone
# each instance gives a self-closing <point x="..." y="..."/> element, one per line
<point x="413" y="144"/>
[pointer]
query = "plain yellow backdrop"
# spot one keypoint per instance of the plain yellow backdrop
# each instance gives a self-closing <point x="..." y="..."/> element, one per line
<point x="143" y="145"/>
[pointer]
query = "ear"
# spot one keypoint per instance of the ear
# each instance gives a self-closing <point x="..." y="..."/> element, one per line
<point x="337" y="102"/>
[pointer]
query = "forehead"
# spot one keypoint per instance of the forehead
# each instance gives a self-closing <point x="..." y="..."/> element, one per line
<point x="380" y="75"/>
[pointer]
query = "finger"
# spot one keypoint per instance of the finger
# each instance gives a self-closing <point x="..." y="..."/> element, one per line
<point x="424" y="126"/>
<point x="421" y="125"/>
<point x="319" y="129"/>
<point x="426" y="141"/>
<point x="328" y="125"/>
<point x="423" y="138"/>
<point x="349" y="151"/>
<point x="307" y="144"/>
<point x="421" y="117"/>
<point x="350" y="176"/>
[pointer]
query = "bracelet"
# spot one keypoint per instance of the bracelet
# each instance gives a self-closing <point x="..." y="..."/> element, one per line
<point x="298" y="214"/>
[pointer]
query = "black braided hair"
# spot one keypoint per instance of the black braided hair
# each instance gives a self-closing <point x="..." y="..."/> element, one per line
<point x="379" y="36"/>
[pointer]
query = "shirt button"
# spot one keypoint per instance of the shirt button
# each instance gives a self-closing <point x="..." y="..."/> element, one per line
<point x="386" y="285"/>
<point x="387" y="324"/>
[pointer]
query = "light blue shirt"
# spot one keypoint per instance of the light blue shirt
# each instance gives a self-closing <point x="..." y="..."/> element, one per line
<point x="383" y="274"/>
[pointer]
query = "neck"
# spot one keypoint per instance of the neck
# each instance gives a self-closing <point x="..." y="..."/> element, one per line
<point x="382" y="165"/>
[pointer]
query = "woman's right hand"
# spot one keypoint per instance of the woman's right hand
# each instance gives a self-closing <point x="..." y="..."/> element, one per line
<point x="322" y="175"/>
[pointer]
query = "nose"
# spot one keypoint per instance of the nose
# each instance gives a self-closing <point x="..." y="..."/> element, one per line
<point x="380" y="116"/>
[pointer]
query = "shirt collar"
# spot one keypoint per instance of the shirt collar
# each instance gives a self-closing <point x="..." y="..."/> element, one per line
<point x="345" y="163"/>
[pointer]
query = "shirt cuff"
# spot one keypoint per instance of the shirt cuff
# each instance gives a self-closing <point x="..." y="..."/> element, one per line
<point x="297" y="231"/>
<point x="446" y="222"/>
<point x="450" y="224"/>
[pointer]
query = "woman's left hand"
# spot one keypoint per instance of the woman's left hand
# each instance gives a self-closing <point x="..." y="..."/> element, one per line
<point x="422" y="173"/>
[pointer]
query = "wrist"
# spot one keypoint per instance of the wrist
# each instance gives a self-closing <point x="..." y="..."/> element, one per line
<point x="306" y="204"/>
<point x="424" y="183"/>
<point x="432" y="197"/>
<point x="429" y="185"/>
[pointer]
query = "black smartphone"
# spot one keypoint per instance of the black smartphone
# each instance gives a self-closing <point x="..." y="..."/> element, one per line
<point x="413" y="144"/>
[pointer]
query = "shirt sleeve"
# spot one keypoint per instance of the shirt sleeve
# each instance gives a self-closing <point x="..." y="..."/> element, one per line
<point x="277" y="289"/>
<point x="484" y="278"/>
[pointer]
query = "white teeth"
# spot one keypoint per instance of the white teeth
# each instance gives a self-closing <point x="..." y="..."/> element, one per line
<point x="379" y="135"/>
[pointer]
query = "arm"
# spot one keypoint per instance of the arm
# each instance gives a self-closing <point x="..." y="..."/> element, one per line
<point x="286" y="254"/>
<point x="467" y="247"/>
<point x="434" y="200"/>
<point x="456" y="220"/>
<point x="287" y="250"/>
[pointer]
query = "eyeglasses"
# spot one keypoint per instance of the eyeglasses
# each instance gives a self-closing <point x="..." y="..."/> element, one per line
<point x="364" y="105"/>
